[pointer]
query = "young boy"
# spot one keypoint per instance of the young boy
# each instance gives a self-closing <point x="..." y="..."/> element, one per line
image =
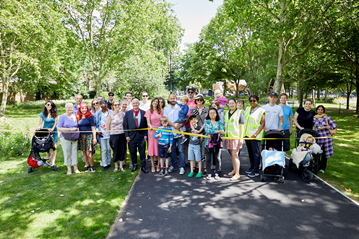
<point x="165" y="141"/>
<point x="194" y="148"/>
<point x="182" y="114"/>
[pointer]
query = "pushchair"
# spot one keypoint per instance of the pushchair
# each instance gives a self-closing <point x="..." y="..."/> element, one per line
<point x="307" y="161"/>
<point x="273" y="160"/>
<point x="42" y="142"/>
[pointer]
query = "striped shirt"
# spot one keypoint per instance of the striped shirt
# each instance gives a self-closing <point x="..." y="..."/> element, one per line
<point x="167" y="137"/>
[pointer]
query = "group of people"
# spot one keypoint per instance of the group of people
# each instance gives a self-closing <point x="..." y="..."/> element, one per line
<point x="177" y="133"/>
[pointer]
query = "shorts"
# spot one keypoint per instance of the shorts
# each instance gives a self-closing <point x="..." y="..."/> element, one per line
<point x="194" y="151"/>
<point x="162" y="151"/>
<point x="286" y="142"/>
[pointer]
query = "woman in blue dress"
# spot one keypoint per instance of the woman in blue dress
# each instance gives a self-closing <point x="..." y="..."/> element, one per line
<point x="48" y="120"/>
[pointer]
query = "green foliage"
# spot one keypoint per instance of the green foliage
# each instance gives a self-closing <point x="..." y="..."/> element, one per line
<point x="12" y="143"/>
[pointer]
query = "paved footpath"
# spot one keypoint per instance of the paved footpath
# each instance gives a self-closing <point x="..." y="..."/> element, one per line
<point x="180" y="207"/>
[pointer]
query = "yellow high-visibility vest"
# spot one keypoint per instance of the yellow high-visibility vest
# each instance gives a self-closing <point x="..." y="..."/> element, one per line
<point x="232" y="126"/>
<point x="253" y="122"/>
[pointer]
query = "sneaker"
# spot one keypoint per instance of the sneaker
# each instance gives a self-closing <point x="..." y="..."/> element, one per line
<point x="181" y="171"/>
<point x="87" y="169"/>
<point x="209" y="176"/>
<point x="161" y="172"/>
<point x="92" y="169"/>
<point x="131" y="166"/>
<point x="191" y="174"/>
<point x="253" y="174"/>
<point x="321" y="171"/>
<point x="166" y="172"/>
<point x="216" y="176"/>
<point x="105" y="168"/>
<point x="199" y="175"/>
<point x="109" y="166"/>
<point x="184" y="140"/>
<point x="249" y="171"/>
<point x="171" y="169"/>
<point x="213" y="167"/>
<point x="85" y="166"/>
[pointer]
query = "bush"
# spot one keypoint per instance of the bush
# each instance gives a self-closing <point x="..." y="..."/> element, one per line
<point x="343" y="101"/>
<point x="13" y="143"/>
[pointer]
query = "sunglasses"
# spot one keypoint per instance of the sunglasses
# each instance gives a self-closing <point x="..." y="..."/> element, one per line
<point x="145" y="96"/>
<point x="190" y="92"/>
<point x="252" y="101"/>
<point x="95" y="103"/>
<point x="199" y="99"/>
<point x="111" y="95"/>
<point x="48" y="104"/>
<point x="116" y="105"/>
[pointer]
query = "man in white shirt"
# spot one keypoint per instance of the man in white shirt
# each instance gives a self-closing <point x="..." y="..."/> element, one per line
<point x="145" y="104"/>
<point x="274" y="114"/>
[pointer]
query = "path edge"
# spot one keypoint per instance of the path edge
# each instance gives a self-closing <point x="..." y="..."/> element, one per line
<point x="123" y="204"/>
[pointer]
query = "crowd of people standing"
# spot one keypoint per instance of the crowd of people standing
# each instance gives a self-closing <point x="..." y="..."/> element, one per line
<point x="131" y="125"/>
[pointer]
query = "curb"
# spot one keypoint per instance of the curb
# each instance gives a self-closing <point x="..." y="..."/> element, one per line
<point x="123" y="204"/>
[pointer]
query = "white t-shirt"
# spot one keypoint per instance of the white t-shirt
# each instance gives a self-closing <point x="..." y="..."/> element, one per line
<point x="144" y="106"/>
<point x="105" y="134"/>
<point x="272" y="116"/>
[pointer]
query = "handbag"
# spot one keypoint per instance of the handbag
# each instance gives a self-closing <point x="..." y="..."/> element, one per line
<point x="331" y="131"/>
<point x="73" y="136"/>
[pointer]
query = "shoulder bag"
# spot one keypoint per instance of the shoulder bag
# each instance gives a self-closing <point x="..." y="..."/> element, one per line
<point x="331" y="131"/>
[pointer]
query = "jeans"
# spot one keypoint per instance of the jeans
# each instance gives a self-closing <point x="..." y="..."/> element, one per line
<point x="177" y="143"/>
<point x="105" y="152"/>
<point x="194" y="151"/>
<point x="254" y="148"/>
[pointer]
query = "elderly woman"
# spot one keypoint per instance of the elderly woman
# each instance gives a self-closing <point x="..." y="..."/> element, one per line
<point x="48" y="120"/>
<point x="87" y="141"/>
<point x="153" y="117"/>
<point x="234" y="119"/>
<point x="303" y="117"/>
<point x="253" y="128"/>
<point x="68" y="124"/>
<point x="212" y="126"/>
<point x="322" y="122"/>
<point x="95" y="106"/>
<point x="115" y="122"/>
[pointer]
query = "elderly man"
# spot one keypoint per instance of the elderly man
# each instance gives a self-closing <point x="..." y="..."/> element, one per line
<point x="78" y="100"/>
<point x="171" y="111"/>
<point x="135" y="119"/>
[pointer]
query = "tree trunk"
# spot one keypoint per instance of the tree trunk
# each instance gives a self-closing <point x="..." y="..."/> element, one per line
<point x="306" y="94"/>
<point x="326" y="95"/>
<point x="318" y="94"/>
<point x="5" y="90"/>
<point x="21" y="96"/>
<point x="300" y="95"/>
<point x="313" y="97"/>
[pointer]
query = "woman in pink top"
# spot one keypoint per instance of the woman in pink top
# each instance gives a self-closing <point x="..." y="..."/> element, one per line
<point x="153" y="117"/>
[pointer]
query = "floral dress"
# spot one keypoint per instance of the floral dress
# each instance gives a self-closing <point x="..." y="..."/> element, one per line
<point x="155" y="120"/>
<point x="326" y="143"/>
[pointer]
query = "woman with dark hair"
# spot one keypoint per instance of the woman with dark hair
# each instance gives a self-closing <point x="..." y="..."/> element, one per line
<point x="87" y="141"/>
<point x="253" y="128"/>
<point x="322" y="122"/>
<point x="303" y="117"/>
<point x="162" y="102"/>
<point x="49" y="118"/>
<point x="153" y="117"/>
<point x="234" y="127"/>
<point x="212" y="127"/>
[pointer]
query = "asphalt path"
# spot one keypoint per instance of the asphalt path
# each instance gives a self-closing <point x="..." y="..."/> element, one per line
<point x="176" y="206"/>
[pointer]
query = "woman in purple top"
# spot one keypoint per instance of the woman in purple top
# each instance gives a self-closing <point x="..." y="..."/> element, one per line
<point x="67" y="124"/>
<point x="322" y="122"/>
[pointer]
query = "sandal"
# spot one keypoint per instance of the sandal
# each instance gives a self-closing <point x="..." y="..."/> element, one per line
<point x="235" y="178"/>
<point x="77" y="171"/>
<point x="153" y="170"/>
<point x="231" y="173"/>
<point x="69" y="173"/>
<point x="122" y="170"/>
<point x="115" y="170"/>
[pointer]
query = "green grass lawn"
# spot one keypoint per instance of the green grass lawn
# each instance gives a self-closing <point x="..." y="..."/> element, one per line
<point x="32" y="205"/>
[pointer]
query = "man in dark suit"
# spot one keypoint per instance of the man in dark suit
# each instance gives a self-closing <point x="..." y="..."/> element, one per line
<point x="135" y="119"/>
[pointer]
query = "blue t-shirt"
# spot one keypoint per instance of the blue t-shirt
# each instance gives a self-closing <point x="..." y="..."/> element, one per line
<point x="287" y="111"/>
<point x="48" y="122"/>
<point x="183" y="111"/>
<point x="85" y="124"/>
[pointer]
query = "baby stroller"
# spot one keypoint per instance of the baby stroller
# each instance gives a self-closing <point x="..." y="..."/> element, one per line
<point x="307" y="161"/>
<point x="42" y="142"/>
<point x="273" y="161"/>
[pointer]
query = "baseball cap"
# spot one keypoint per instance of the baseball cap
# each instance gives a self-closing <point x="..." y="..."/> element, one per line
<point x="191" y="88"/>
<point x="273" y="94"/>
<point x="111" y="92"/>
